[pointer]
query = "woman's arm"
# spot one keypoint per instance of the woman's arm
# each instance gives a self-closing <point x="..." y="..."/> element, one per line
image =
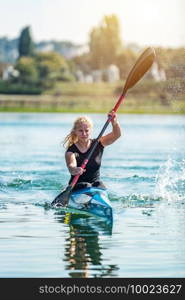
<point x="72" y="164"/>
<point x="114" y="135"/>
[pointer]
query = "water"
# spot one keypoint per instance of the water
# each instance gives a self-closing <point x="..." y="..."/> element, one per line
<point x="144" y="172"/>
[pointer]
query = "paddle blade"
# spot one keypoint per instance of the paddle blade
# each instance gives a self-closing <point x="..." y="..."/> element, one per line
<point x="141" y="66"/>
<point x="62" y="199"/>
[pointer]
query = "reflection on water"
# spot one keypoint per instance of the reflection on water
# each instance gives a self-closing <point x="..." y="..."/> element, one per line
<point x="83" y="253"/>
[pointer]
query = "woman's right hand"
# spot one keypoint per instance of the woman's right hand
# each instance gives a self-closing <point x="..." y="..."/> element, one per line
<point x="77" y="171"/>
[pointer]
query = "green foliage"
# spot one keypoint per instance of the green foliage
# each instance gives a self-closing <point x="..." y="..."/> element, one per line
<point x="18" y="88"/>
<point x="105" y="42"/>
<point x="28" y="72"/>
<point x="25" y="45"/>
<point x="42" y="70"/>
<point x="51" y="67"/>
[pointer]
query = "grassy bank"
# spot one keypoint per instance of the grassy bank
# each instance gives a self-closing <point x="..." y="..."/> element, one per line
<point x="148" y="97"/>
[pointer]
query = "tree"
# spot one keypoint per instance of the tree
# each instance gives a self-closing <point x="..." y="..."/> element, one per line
<point x="51" y="67"/>
<point x="25" y="44"/>
<point x="172" y="61"/>
<point x="125" y="61"/>
<point x="28" y="73"/>
<point x="83" y="62"/>
<point x="105" y="42"/>
<point x="42" y="70"/>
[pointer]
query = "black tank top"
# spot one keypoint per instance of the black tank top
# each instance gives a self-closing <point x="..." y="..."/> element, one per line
<point x="92" y="173"/>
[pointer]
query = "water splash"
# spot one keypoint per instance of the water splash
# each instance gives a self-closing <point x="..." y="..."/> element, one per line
<point x="170" y="181"/>
<point x="134" y="201"/>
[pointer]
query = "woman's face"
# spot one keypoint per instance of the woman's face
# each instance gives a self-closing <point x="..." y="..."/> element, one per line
<point x="83" y="132"/>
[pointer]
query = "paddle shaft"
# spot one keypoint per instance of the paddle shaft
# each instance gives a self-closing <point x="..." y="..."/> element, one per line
<point x="86" y="160"/>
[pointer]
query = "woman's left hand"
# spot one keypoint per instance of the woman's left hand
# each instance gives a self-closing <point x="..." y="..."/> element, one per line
<point x="113" y="116"/>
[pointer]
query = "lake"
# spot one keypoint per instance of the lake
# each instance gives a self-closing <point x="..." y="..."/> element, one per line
<point x="144" y="172"/>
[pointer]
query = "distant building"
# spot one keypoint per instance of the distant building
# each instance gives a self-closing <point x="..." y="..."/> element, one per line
<point x="88" y="78"/>
<point x="112" y="73"/>
<point x="9" y="72"/>
<point x="80" y="77"/>
<point x="45" y="47"/>
<point x="66" y="49"/>
<point x="77" y="50"/>
<point x="8" y="50"/>
<point x="157" y="73"/>
<point x="97" y="75"/>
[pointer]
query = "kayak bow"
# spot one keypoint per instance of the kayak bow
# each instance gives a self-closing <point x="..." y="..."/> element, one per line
<point x="92" y="200"/>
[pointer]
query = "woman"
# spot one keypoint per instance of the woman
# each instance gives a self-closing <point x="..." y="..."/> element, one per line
<point x="79" y="143"/>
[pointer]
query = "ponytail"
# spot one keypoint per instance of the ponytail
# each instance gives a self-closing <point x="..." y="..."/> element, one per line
<point x="70" y="139"/>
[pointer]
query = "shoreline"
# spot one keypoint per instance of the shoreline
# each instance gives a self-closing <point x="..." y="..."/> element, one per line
<point x="90" y="111"/>
<point x="65" y="103"/>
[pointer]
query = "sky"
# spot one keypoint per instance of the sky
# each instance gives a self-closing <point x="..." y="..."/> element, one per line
<point x="144" y="22"/>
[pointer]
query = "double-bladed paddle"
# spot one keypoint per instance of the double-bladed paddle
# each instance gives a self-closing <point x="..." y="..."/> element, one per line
<point x="142" y="65"/>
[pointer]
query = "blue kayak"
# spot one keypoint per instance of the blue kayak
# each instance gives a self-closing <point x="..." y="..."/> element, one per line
<point x="92" y="200"/>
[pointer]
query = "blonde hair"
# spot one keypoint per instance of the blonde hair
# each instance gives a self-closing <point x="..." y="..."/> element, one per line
<point x="72" y="138"/>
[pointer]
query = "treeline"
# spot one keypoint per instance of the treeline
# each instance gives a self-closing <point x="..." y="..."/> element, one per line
<point x="40" y="71"/>
<point x="35" y="71"/>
